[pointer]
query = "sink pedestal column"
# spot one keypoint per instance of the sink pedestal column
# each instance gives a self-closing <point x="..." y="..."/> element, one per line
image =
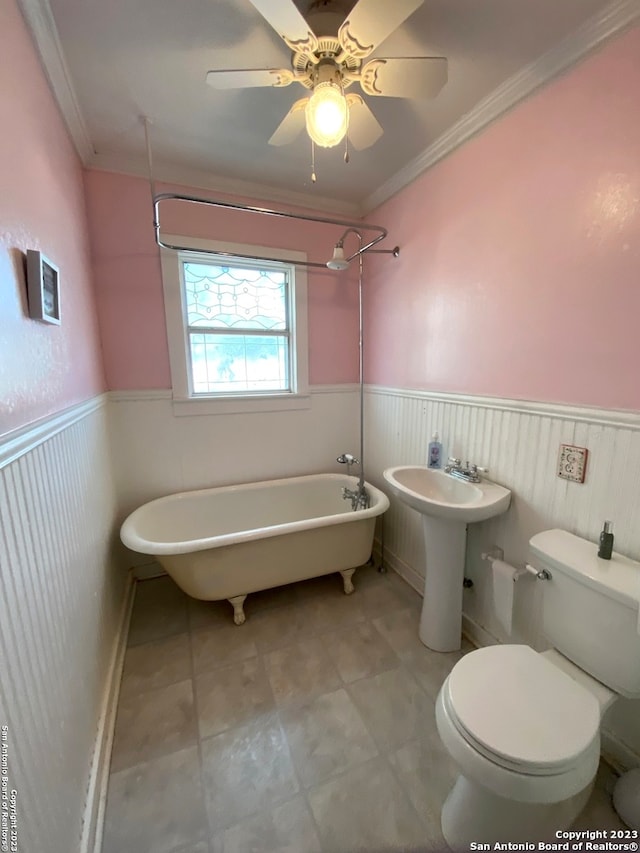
<point x="441" y="619"/>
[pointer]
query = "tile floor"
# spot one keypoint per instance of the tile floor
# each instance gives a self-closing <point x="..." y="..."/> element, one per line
<point x="309" y="729"/>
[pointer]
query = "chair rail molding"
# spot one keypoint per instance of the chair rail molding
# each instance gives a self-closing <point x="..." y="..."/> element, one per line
<point x="16" y="443"/>
<point x="626" y="418"/>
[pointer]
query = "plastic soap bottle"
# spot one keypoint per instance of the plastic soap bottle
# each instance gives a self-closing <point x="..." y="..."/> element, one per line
<point x="434" y="454"/>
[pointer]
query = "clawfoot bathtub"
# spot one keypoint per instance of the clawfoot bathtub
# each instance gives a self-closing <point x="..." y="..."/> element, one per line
<point x="230" y="541"/>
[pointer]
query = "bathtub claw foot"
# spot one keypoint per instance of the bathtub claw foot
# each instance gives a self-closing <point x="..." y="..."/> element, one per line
<point x="347" y="574"/>
<point x="238" y="608"/>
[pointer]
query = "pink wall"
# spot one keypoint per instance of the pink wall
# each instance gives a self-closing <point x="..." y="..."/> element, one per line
<point x="519" y="274"/>
<point x="43" y="368"/>
<point x="126" y="263"/>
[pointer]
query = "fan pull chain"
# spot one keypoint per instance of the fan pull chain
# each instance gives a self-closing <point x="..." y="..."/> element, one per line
<point x="346" y="136"/>
<point x="313" y="162"/>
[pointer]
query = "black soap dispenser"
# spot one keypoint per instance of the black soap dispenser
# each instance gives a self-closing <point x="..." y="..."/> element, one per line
<point x="606" y="541"/>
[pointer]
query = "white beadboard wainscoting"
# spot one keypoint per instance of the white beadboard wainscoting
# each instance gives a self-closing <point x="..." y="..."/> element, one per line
<point x="518" y="442"/>
<point x="157" y="452"/>
<point x="63" y="609"/>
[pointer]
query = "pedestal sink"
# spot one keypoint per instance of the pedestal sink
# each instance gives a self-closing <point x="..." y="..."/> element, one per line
<point x="447" y="505"/>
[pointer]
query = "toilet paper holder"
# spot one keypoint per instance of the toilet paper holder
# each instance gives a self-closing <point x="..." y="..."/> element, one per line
<point x="540" y="574"/>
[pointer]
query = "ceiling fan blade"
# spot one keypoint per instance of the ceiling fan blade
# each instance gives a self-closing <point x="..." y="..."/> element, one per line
<point x="370" y="22"/>
<point x="247" y="78"/>
<point x="291" y="124"/>
<point x="364" y="128"/>
<point x="287" y="21"/>
<point x="409" y="77"/>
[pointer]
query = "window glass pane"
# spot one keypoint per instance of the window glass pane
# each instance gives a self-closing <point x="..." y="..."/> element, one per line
<point x="236" y="363"/>
<point x="231" y="297"/>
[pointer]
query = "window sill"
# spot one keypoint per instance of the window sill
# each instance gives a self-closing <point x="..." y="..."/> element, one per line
<point x="240" y="405"/>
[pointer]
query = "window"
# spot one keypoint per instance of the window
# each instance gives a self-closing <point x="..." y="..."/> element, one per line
<point x="236" y="326"/>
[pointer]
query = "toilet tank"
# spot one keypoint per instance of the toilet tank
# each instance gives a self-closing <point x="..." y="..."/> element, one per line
<point x="591" y="608"/>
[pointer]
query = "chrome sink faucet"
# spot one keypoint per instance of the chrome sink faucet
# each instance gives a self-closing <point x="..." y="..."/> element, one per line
<point x="470" y="473"/>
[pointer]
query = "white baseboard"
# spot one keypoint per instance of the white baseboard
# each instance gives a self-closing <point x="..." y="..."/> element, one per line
<point x="147" y="571"/>
<point x="478" y="635"/>
<point x="93" y="820"/>
<point x="470" y="629"/>
<point x="616" y="753"/>
<point x="406" y="572"/>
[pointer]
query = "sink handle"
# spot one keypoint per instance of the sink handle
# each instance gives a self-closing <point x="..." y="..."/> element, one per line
<point x="453" y="461"/>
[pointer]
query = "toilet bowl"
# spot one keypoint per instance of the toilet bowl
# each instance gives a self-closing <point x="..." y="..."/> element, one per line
<point x="524" y="726"/>
<point x="526" y="737"/>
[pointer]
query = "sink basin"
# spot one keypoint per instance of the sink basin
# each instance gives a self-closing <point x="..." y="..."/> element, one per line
<point x="435" y="493"/>
<point x="447" y="505"/>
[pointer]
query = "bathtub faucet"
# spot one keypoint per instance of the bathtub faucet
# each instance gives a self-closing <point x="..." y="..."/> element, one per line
<point x="359" y="497"/>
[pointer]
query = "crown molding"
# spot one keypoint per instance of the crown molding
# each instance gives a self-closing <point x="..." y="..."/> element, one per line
<point x="594" y="32"/>
<point x="185" y="176"/>
<point x="39" y="19"/>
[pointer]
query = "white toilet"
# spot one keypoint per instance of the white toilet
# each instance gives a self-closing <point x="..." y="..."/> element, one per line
<point x="524" y="726"/>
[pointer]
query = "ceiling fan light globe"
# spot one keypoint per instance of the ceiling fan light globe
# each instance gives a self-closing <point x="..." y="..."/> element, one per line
<point x="327" y="115"/>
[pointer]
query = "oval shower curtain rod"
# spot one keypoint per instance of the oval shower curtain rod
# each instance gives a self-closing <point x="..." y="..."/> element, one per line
<point x="158" y="198"/>
<point x="266" y="211"/>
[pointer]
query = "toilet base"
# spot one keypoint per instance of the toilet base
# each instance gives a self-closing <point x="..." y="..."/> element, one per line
<point x="473" y="813"/>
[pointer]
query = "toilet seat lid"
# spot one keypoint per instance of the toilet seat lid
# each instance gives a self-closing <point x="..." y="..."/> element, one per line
<point x="522" y="709"/>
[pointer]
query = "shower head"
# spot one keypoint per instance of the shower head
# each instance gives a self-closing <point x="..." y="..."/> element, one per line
<point x="338" y="261"/>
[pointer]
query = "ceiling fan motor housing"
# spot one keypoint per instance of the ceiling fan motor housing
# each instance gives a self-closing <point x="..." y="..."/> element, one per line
<point x="326" y="71"/>
<point x="328" y="53"/>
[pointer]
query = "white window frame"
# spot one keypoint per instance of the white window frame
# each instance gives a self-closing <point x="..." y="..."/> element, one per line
<point x="187" y="403"/>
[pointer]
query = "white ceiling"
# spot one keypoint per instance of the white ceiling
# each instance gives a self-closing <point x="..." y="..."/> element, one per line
<point x="150" y="58"/>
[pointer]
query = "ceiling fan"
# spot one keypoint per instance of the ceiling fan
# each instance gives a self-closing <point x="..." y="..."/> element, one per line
<point x="329" y="54"/>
